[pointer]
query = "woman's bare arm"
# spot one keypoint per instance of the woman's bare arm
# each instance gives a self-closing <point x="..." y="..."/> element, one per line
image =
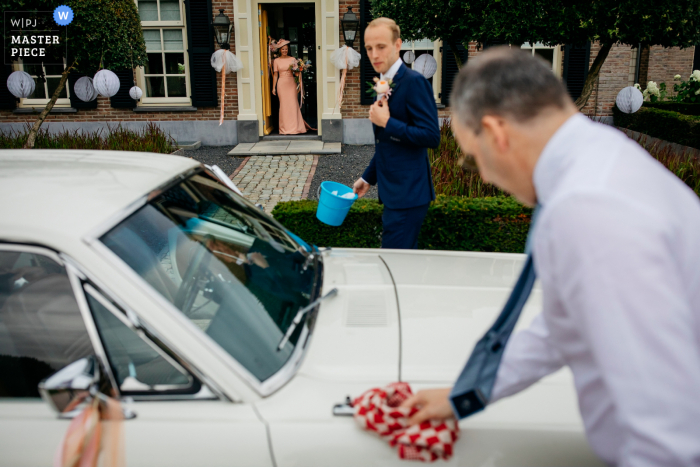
<point x="274" y="83"/>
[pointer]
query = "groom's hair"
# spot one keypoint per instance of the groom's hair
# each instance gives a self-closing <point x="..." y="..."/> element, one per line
<point x="507" y="82"/>
<point x="389" y="23"/>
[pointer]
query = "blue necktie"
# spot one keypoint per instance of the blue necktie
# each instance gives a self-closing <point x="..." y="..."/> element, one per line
<point x="472" y="390"/>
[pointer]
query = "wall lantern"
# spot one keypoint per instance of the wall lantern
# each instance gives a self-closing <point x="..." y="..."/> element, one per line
<point x="222" y="30"/>
<point x="351" y="24"/>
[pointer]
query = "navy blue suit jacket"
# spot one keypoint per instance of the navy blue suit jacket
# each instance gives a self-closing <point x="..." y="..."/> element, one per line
<point x="400" y="164"/>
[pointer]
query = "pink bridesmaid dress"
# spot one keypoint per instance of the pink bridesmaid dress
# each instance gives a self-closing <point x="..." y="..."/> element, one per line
<point x="291" y="121"/>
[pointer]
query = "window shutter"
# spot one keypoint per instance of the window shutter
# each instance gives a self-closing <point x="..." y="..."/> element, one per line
<point x="367" y="72"/>
<point x="576" y="60"/>
<point x="450" y="70"/>
<point x="696" y="58"/>
<point x="7" y="100"/>
<point x="200" y="39"/>
<point x="74" y="101"/>
<point x="122" y="99"/>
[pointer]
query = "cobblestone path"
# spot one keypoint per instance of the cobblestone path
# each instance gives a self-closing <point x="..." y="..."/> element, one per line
<point x="270" y="179"/>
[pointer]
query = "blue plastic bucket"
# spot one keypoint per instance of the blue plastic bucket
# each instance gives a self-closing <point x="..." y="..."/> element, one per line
<point x="332" y="208"/>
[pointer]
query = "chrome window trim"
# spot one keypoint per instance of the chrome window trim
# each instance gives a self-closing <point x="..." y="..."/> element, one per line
<point x="75" y="277"/>
<point x="150" y="335"/>
<point x="264" y="388"/>
<point x="90" y="290"/>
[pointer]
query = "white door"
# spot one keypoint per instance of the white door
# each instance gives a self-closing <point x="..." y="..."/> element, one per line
<point x="42" y="329"/>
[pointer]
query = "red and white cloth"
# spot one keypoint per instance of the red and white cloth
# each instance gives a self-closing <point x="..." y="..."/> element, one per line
<point x="378" y="410"/>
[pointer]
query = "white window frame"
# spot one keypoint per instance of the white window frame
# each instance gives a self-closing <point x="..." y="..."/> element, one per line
<point x="60" y="102"/>
<point x="434" y="46"/>
<point x="556" y="58"/>
<point x="141" y="71"/>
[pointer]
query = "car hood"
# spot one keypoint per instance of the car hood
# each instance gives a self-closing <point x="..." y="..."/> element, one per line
<point x="409" y="315"/>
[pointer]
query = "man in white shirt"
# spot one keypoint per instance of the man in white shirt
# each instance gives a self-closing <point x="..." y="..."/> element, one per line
<point x="616" y="249"/>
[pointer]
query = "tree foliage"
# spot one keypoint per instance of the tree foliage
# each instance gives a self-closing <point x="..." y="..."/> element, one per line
<point x="668" y="23"/>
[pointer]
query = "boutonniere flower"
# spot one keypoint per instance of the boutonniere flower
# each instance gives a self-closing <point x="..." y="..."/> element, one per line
<point x="381" y="87"/>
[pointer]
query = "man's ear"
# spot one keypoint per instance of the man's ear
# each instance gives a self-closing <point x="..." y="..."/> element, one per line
<point x="494" y="128"/>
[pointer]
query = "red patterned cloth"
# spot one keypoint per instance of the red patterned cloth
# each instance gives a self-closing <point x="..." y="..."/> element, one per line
<point x="378" y="410"/>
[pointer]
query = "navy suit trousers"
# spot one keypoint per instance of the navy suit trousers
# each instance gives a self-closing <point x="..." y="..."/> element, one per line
<point x="402" y="226"/>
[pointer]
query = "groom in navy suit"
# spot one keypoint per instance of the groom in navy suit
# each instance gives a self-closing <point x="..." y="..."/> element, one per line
<point x="405" y="125"/>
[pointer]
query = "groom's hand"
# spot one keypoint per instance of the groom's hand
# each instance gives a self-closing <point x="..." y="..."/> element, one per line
<point x="360" y="187"/>
<point x="379" y="112"/>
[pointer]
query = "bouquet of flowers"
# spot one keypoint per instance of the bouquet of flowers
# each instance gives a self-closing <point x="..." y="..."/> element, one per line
<point x="299" y="65"/>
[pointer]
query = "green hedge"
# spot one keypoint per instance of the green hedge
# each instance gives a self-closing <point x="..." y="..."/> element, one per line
<point x="665" y="124"/>
<point x="680" y="107"/>
<point x="452" y="223"/>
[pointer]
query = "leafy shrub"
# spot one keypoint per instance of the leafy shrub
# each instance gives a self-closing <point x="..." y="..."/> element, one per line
<point x="665" y="124"/>
<point x="452" y="223"/>
<point x="680" y="107"/>
<point x="448" y="176"/>
<point x="150" y="139"/>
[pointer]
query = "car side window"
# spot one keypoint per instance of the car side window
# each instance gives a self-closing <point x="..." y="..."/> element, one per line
<point x="41" y="327"/>
<point x="139" y="368"/>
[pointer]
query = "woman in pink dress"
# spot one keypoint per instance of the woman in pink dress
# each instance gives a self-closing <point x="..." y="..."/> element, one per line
<point x="284" y="87"/>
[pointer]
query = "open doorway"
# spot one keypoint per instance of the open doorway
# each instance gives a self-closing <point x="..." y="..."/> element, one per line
<point x="296" y="24"/>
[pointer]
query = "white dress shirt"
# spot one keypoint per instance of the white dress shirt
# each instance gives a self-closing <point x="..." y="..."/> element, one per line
<point x="617" y="251"/>
<point x="392" y="70"/>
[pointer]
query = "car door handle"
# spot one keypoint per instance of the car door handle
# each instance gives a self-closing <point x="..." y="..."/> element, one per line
<point x="345" y="409"/>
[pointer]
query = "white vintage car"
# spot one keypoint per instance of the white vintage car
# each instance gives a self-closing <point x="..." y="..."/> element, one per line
<point x="145" y="274"/>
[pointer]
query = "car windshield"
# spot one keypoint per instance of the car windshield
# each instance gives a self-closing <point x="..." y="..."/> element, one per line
<point x="224" y="264"/>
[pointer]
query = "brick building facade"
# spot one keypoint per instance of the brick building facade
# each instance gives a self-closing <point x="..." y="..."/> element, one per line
<point x="194" y="114"/>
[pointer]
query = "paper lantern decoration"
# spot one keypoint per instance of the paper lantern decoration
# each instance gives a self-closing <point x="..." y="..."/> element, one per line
<point x="106" y="83"/>
<point x="84" y="89"/>
<point x="425" y="65"/>
<point x="135" y="93"/>
<point x="409" y="57"/>
<point x="629" y="100"/>
<point x="20" y="84"/>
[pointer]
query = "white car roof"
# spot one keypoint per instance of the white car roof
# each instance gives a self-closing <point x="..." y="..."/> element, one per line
<point x="53" y="196"/>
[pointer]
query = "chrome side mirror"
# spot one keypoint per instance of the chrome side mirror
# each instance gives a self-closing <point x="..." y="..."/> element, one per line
<point x="74" y="384"/>
<point x="71" y="385"/>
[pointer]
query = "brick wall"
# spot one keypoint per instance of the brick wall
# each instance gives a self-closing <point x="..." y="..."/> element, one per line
<point x="105" y="113"/>
<point x="665" y="63"/>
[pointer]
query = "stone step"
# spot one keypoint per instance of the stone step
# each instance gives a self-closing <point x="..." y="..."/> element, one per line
<point x="291" y="138"/>
<point x="284" y="147"/>
<point x="189" y="144"/>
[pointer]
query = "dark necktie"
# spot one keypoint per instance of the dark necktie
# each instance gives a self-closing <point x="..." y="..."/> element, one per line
<point x="472" y="390"/>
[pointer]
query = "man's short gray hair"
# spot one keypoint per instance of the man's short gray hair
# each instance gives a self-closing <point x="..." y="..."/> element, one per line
<point x="507" y="82"/>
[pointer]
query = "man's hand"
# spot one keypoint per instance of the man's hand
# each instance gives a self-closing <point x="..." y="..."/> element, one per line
<point x="433" y="404"/>
<point x="360" y="187"/>
<point x="379" y="112"/>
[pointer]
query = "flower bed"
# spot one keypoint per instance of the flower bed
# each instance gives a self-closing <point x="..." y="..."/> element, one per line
<point x="150" y="139"/>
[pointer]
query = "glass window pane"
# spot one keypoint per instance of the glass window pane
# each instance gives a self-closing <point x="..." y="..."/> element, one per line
<point x="152" y="38"/>
<point x="172" y="39"/>
<point x="224" y="265"/>
<point x="526" y="45"/>
<point x="148" y="10"/>
<point x="154" y="65"/>
<point x="169" y="10"/>
<point x="52" y="84"/>
<point x="34" y="70"/>
<point x="39" y="90"/>
<point x="54" y="70"/>
<point x="136" y="365"/>
<point x="175" y="64"/>
<point x="41" y="328"/>
<point x="547" y="54"/>
<point x="176" y="87"/>
<point x="155" y="86"/>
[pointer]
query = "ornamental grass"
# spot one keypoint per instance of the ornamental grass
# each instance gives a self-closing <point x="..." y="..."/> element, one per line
<point x="150" y="139"/>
